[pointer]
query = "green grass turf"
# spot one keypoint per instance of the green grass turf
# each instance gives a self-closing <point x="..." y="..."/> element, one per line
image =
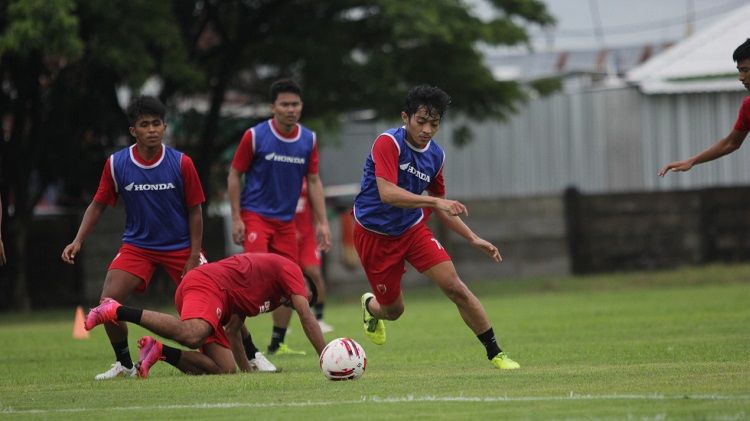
<point x="660" y="345"/>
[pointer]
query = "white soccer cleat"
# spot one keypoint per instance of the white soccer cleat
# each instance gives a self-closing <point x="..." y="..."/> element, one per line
<point x="117" y="370"/>
<point x="325" y="327"/>
<point x="261" y="363"/>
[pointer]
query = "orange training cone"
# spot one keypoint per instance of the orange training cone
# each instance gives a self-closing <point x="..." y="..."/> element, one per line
<point x="79" y="332"/>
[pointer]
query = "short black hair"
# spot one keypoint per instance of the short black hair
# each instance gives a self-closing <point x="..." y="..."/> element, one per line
<point x="145" y="105"/>
<point x="284" y="86"/>
<point x="742" y="52"/>
<point x="433" y="99"/>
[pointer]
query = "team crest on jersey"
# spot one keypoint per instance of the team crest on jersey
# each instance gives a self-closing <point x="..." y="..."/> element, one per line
<point x="252" y="236"/>
<point x="218" y="312"/>
<point x="381" y="288"/>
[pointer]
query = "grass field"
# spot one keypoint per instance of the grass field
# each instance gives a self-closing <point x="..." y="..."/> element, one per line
<point x="654" y="346"/>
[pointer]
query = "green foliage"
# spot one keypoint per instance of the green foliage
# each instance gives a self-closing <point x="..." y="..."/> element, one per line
<point x="46" y="26"/>
<point x="628" y="346"/>
<point x="547" y="86"/>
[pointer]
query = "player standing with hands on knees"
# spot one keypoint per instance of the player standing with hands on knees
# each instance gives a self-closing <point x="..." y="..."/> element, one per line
<point x="391" y="222"/>
<point x="164" y="225"/>
<point x="734" y="139"/>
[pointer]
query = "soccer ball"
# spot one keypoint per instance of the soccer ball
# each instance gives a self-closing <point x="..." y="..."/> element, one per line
<point x="343" y="359"/>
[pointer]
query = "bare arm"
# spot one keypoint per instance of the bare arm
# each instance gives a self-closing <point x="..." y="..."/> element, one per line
<point x="455" y="224"/>
<point x="234" y="333"/>
<point x="195" y="224"/>
<point x="234" y="184"/>
<point x="394" y="195"/>
<point x="90" y="219"/>
<point x="309" y="323"/>
<point x="318" y="204"/>
<point x="722" y="147"/>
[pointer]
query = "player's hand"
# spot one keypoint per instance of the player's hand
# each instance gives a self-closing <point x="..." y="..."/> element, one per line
<point x="676" y="166"/>
<point x="323" y="232"/>
<point x="453" y="207"/>
<point x="238" y="231"/>
<point x="488" y="248"/>
<point x="70" y="251"/>
<point x="192" y="262"/>
<point x="2" y="253"/>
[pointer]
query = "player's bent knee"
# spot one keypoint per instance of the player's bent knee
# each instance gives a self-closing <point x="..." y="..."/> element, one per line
<point x="393" y="312"/>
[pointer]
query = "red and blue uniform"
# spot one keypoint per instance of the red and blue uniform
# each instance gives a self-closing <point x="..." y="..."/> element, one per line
<point x="387" y="236"/>
<point x="157" y="195"/>
<point x="245" y="284"/>
<point x="274" y="166"/>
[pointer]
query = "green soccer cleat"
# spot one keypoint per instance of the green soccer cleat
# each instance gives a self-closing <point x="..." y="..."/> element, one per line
<point x="503" y="362"/>
<point x="374" y="328"/>
<point x="284" y="349"/>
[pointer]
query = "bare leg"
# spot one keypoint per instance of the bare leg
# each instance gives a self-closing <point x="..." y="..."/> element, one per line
<point x="471" y="310"/>
<point x="215" y="359"/>
<point x="119" y="285"/>
<point x="317" y="277"/>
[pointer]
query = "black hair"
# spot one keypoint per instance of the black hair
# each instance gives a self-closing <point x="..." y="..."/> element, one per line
<point x="145" y="105"/>
<point x="433" y="99"/>
<point x="284" y="86"/>
<point x="742" y="52"/>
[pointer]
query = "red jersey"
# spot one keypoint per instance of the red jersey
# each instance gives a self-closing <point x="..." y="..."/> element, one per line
<point x="255" y="283"/>
<point x="743" y="118"/>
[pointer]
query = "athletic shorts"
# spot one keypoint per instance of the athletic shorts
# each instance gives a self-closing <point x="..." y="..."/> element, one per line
<point x="267" y="235"/>
<point x="307" y="245"/>
<point x="198" y="297"/>
<point x="142" y="263"/>
<point x="383" y="257"/>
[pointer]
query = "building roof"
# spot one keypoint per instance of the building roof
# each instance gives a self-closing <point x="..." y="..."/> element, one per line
<point x="701" y="62"/>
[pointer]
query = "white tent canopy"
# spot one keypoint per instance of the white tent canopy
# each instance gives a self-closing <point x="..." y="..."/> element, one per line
<point x="700" y="63"/>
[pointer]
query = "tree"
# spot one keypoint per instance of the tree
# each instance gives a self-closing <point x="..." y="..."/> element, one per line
<point x="62" y="62"/>
<point x="349" y="54"/>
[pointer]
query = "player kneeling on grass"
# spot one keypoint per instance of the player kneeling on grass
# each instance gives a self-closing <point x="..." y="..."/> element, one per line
<point x="391" y="229"/>
<point x="209" y="297"/>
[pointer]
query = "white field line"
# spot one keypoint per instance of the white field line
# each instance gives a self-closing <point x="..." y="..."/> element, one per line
<point x="386" y="400"/>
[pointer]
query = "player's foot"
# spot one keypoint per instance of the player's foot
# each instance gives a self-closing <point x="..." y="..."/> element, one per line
<point x="325" y="327"/>
<point x="261" y="363"/>
<point x="117" y="370"/>
<point x="106" y="311"/>
<point x="284" y="349"/>
<point x="504" y="362"/>
<point x="374" y="328"/>
<point x="149" y="354"/>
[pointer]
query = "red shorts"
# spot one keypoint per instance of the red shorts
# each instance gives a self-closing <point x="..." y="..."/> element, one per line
<point x="264" y="235"/>
<point x="383" y="257"/>
<point x="307" y="245"/>
<point x="142" y="262"/>
<point x="198" y="297"/>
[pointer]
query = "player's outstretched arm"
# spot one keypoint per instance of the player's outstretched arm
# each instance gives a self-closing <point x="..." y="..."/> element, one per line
<point x="195" y="224"/>
<point x="317" y="201"/>
<point x="234" y="334"/>
<point x="724" y="146"/>
<point x="309" y="323"/>
<point x="455" y="224"/>
<point x="394" y="195"/>
<point x="90" y="219"/>
<point x="234" y="183"/>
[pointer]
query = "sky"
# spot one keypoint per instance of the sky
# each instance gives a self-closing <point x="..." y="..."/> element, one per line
<point x="592" y="24"/>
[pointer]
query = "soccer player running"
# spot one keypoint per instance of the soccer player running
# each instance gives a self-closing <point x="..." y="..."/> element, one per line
<point x="162" y="194"/>
<point x="208" y="298"/>
<point x="275" y="156"/>
<point x="309" y="255"/>
<point x="391" y="229"/>
<point x="734" y="139"/>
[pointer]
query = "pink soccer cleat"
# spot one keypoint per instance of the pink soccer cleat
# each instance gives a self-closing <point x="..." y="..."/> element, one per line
<point x="149" y="354"/>
<point x="105" y="312"/>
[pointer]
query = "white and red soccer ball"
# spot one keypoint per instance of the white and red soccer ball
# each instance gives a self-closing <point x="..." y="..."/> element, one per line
<point x="343" y="359"/>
